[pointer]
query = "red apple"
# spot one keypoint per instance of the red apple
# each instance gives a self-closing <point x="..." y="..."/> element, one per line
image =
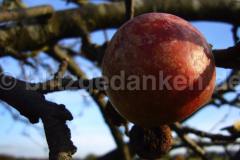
<point x="160" y="69"/>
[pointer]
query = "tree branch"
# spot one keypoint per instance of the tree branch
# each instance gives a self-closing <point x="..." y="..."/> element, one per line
<point x="20" y="14"/>
<point x="74" y="22"/>
<point x="33" y="105"/>
<point x="59" y="55"/>
<point x="213" y="137"/>
<point x="189" y="142"/>
<point x="228" y="58"/>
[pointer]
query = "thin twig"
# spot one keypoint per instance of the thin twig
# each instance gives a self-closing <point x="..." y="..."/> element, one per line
<point x="62" y="69"/>
<point x="129" y="5"/>
<point x="189" y="142"/>
<point x="214" y="137"/>
<point x="124" y="149"/>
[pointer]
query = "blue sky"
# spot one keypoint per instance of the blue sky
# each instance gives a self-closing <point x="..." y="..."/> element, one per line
<point x="89" y="132"/>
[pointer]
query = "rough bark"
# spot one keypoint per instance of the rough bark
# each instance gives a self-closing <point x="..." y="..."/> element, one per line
<point x="91" y="17"/>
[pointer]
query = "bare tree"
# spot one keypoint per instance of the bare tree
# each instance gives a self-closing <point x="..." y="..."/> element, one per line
<point x="25" y="33"/>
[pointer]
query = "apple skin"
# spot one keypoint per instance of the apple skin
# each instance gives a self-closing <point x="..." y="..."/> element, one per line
<point x="151" y="44"/>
